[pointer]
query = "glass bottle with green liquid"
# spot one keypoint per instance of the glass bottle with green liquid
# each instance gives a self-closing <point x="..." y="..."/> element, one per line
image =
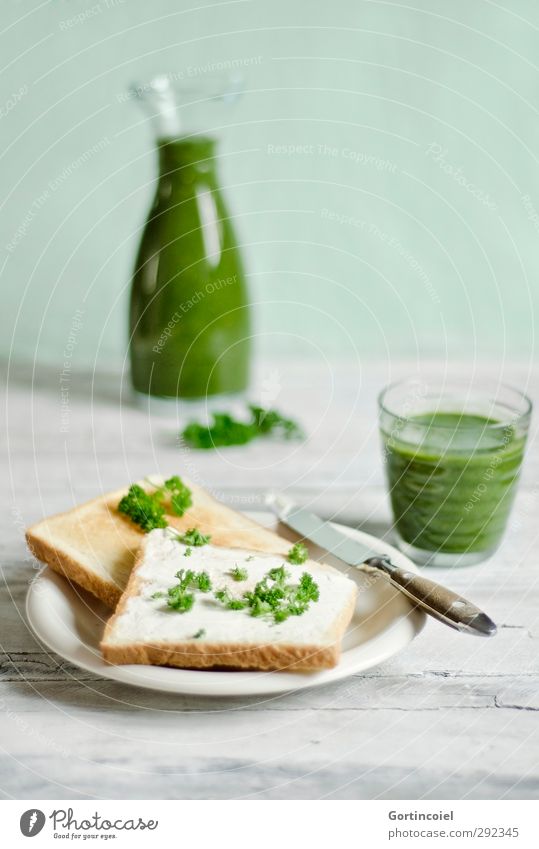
<point x="189" y="317"/>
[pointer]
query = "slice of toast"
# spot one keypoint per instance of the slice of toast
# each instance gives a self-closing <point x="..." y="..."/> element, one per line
<point x="146" y="630"/>
<point x="95" y="545"/>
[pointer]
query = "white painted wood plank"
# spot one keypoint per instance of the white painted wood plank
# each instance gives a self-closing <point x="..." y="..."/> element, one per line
<point x="186" y="754"/>
<point x="375" y="690"/>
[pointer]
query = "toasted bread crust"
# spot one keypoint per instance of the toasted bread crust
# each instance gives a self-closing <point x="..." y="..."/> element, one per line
<point x="65" y="565"/>
<point x="195" y="655"/>
<point x="67" y="542"/>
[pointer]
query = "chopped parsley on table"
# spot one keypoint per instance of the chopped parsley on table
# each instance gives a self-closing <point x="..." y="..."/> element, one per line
<point x="147" y="509"/>
<point x="225" y="430"/>
<point x="298" y="554"/>
<point x="239" y="574"/>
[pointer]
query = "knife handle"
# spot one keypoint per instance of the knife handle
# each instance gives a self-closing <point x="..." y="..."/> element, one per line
<point x="445" y="605"/>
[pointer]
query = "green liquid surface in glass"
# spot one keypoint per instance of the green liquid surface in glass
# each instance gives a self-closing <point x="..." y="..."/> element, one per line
<point x="189" y="314"/>
<point x="452" y="479"/>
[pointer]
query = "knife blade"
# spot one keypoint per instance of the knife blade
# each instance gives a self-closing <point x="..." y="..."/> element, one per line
<point x="438" y="601"/>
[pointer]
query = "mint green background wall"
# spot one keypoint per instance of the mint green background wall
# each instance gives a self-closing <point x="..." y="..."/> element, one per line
<point x="402" y="220"/>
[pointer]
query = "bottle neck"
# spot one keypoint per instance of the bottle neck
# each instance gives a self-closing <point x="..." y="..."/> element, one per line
<point x="185" y="161"/>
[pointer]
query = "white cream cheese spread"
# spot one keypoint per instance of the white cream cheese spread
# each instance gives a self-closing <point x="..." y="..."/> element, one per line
<point x="148" y="619"/>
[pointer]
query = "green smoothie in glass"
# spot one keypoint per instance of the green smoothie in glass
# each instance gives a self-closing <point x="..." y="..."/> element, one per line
<point x="453" y="460"/>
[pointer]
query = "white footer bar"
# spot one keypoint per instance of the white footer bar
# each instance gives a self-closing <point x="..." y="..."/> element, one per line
<point x="271" y="824"/>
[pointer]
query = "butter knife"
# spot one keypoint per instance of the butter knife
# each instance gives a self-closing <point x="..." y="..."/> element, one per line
<point x="436" y="600"/>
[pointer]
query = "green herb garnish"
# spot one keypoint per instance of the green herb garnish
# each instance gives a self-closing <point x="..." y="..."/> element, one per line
<point x="224" y="430"/>
<point x="180" y="495"/>
<point x="143" y="509"/>
<point x="226" y="598"/>
<point x="239" y="574"/>
<point x="298" y="554"/>
<point x="180" y="597"/>
<point x="202" y="581"/>
<point x="147" y="510"/>
<point x="188" y="552"/>
<point x="274" y="597"/>
<point x="194" y="537"/>
<point x="199" y="634"/>
<point x="272" y="422"/>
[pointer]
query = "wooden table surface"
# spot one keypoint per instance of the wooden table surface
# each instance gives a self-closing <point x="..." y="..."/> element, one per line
<point x="450" y="717"/>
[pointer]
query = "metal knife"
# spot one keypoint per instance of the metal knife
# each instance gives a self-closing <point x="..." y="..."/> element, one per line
<point x="438" y="601"/>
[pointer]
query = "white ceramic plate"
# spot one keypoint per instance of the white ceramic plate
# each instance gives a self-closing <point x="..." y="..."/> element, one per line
<point x="70" y="622"/>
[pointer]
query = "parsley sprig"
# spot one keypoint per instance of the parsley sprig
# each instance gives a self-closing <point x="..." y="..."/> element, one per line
<point x="226" y="598"/>
<point x="239" y="574"/>
<point x="147" y="509"/>
<point x="298" y="554"/>
<point x="274" y="597"/>
<point x="193" y="537"/>
<point x="180" y="596"/>
<point x="180" y="495"/>
<point x="225" y="430"/>
<point x="143" y="509"/>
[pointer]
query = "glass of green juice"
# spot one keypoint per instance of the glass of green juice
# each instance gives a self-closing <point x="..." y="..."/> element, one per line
<point x="453" y="452"/>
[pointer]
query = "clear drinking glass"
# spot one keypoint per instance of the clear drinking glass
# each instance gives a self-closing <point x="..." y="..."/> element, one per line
<point x="453" y="453"/>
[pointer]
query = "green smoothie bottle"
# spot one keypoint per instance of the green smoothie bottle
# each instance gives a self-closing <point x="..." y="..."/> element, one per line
<point x="189" y="314"/>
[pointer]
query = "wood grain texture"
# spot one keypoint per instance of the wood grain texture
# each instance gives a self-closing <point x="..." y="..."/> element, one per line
<point x="451" y="717"/>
